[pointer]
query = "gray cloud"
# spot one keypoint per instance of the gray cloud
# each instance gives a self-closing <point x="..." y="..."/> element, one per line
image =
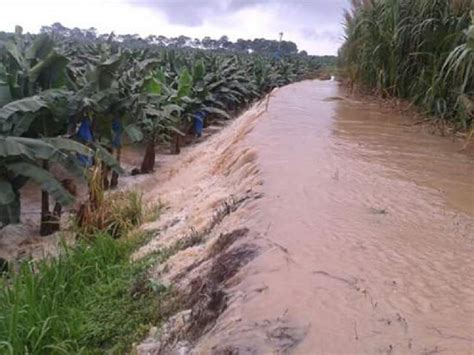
<point x="185" y="12"/>
<point x="316" y="20"/>
<point x="313" y="34"/>
<point x="194" y="12"/>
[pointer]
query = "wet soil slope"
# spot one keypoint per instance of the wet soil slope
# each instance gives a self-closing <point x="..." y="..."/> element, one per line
<point x="361" y="228"/>
<point x="371" y="231"/>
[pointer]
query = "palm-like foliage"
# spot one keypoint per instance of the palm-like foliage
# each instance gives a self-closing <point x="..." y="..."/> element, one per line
<point x="32" y="70"/>
<point x="20" y="160"/>
<point x="92" y="90"/>
<point x="164" y="93"/>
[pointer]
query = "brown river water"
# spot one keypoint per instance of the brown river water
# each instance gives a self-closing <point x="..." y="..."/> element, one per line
<point x="372" y="227"/>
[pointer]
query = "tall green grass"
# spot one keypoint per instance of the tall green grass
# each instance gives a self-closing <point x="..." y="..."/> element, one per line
<point x="90" y="299"/>
<point x="419" y="50"/>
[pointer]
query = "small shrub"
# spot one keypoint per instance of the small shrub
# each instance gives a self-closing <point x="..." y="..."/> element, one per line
<point x="117" y="214"/>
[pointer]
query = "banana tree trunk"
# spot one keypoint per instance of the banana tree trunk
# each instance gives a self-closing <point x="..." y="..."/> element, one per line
<point x="148" y="163"/>
<point x="105" y="176"/>
<point x="105" y="170"/>
<point x="175" y="147"/>
<point x="115" y="176"/>
<point x="49" y="223"/>
<point x="10" y="214"/>
<point x="45" y="215"/>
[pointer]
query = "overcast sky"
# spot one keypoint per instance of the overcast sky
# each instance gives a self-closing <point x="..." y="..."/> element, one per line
<point x="314" y="25"/>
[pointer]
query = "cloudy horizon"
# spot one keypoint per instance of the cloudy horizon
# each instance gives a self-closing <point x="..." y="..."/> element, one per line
<point x="314" y="25"/>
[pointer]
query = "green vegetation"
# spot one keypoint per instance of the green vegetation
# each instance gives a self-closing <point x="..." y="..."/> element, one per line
<point x="422" y="51"/>
<point x="89" y="300"/>
<point x="84" y="301"/>
<point x="116" y="213"/>
<point x="69" y="97"/>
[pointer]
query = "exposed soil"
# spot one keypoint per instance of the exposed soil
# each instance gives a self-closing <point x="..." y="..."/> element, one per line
<point x="23" y="241"/>
<point x="343" y="229"/>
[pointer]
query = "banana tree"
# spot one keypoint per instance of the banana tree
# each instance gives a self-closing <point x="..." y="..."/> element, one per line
<point x="94" y="106"/>
<point x="229" y="84"/>
<point x="33" y="65"/>
<point x="171" y="97"/>
<point x="157" y="118"/>
<point x="23" y="158"/>
<point x="162" y="109"/>
<point x="157" y="123"/>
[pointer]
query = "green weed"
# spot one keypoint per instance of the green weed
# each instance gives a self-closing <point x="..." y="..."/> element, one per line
<point x="86" y="301"/>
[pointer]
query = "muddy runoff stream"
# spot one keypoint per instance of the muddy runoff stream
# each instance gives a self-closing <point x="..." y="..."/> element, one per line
<point x="319" y="225"/>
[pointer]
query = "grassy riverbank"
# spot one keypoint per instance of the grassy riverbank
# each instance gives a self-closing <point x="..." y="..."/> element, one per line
<point x="90" y="300"/>
<point x="421" y="51"/>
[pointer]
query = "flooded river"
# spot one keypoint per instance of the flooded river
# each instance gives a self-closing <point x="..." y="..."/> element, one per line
<point x="372" y="228"/>
<point x="331" y="225"/>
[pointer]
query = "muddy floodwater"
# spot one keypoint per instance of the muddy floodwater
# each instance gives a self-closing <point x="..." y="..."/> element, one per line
<point x="369" y="225"/>
<point x="315" y="223"/>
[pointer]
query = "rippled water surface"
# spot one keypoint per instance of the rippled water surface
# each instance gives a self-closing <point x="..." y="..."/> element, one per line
<point x="373" y="228"/>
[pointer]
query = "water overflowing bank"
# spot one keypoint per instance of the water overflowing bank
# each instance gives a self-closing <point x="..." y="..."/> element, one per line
<point x="364" y="229"/>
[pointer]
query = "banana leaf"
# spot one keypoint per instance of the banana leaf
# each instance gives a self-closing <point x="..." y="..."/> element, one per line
<point x="15" y="53"/>
<point x="27" y="105"/>
<point x="216" y="111"/>
<point x="30" y="149"/>
<point x="20" y="124"/>
<point x="16" y="147"/>
<point x="198" y="71"/>
<point x="45" y="179"/>
<point x="104" y="73"/>
<point x="54" y="64"/>
<point x="153" y="86"/>
<point x="104" y="156"/>
<point x="171" y="108"/>
<point x="40" y="48"/>
<point x="134" y="133"/>
<point x="69" y="145"/>
<point x="184" y="84"/>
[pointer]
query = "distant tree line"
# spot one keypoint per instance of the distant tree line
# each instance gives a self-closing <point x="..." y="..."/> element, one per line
<point x="259" y="45"/>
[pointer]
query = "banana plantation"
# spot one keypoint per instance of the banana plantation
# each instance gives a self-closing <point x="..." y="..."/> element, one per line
<point x="69" y="106"/>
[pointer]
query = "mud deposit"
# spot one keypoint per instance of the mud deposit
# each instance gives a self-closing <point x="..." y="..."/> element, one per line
<point x="320" y="226"/>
